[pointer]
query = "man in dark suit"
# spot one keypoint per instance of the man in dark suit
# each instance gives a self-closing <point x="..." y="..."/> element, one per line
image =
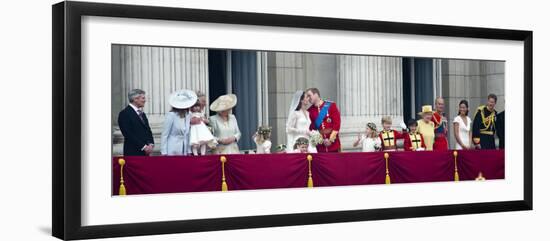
<point x="138" y="138"/>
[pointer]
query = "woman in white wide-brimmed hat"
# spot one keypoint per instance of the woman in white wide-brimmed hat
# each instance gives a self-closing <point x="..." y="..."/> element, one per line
<point x="426" y="127"/>
<point x="175" y="134"/>
<point x="224" y="125"/>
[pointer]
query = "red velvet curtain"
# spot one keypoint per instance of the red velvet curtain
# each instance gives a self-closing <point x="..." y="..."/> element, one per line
<point x="489" y="162"/>
<point x="433" y="166"/>
<point x="169" y="174"/>
<point x="338" y="169"/>
<point x="244" y="172"/>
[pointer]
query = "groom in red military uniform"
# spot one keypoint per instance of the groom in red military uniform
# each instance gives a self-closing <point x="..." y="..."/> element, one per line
<point x="325" y="117"/>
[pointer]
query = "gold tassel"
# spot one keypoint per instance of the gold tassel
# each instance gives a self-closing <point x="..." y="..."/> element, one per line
<point x="455" y="154"/>
<point x="388" y="180"/>
<point x="309" y="179"/>
<point x="224" y="184"/>
<point x="122" y="188"/>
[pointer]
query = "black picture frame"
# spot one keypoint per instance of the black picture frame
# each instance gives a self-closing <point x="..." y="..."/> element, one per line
<point x="66" y="75"/>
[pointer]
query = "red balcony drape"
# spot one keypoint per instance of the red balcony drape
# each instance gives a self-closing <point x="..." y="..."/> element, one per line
<point x="169" y="174"/>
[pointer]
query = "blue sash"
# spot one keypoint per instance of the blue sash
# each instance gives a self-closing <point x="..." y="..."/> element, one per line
<point x="441" y="128"/>
<point x="322" y="115"/>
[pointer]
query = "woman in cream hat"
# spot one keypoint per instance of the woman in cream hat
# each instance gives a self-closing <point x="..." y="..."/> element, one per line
<point x="426" y="127"/>
<point x="175" y="134"/>
<point x="224" y="125"/>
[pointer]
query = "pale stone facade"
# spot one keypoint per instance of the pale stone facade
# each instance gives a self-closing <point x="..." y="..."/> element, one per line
<point x="159" y="71"/>
<point x="289" y="72"/>
<point x="471" y="80"/>
<point x="365" y="88"/>
<point x="369" y="87"/>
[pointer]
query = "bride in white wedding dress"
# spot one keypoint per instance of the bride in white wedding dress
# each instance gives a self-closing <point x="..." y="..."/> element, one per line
<point x="298" y="121"/>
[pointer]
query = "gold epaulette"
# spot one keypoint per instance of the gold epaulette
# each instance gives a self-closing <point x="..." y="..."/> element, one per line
<point x="482" y="107"/>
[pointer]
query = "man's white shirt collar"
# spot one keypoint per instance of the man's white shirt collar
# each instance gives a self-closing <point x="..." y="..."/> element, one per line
<point x="135" y="108"/>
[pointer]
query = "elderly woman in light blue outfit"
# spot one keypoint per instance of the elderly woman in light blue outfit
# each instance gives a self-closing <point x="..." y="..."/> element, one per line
<point x="175" y="134"/>
<point x="224" y="125"/>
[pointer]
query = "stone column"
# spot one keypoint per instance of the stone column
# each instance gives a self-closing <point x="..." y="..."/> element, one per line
<point x="369" y="87"/>
<point x="290" y="72"/>
<point x="470" y="80"/>
<point x="285" y="76"/>
<point x="159" y="71"/>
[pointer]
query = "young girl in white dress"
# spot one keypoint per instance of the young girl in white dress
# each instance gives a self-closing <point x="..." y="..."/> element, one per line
<point x="298" y="121"/>
<point x="262" y="139"/>
<point x="369" y="140"/>
<point x="301" y="145"/>
<point x="462" y="130"/>
<point x="199" y="135"/>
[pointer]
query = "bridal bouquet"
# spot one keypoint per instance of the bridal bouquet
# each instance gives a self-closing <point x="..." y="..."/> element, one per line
<point x="315" y="138"/>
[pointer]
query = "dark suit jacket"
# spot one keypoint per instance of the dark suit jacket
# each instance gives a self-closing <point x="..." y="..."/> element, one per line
<point x="136" y="133"/>
<point x="500" y="129"/>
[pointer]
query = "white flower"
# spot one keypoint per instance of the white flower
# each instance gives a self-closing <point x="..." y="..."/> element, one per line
<point x="315" y="138"/>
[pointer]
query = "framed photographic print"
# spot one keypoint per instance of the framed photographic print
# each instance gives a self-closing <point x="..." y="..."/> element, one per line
<point x="169" y="120"/>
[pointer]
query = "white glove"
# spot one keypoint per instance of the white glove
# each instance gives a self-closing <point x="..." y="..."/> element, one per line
<point x="403" y="126"/>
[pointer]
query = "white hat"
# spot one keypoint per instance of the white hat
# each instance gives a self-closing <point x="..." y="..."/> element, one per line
<point x="183" y="99"/>
<point x="224" y="102"/>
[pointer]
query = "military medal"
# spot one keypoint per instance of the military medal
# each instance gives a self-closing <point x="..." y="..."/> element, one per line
<point x="329" y="120"/>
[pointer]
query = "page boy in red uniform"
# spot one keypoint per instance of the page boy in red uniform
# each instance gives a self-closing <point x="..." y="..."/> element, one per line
<point x="388" y="136"/>
<point x="414" y="141"/>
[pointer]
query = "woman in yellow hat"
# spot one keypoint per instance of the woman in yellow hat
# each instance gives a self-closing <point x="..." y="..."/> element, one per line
<point x="426" y="126"/>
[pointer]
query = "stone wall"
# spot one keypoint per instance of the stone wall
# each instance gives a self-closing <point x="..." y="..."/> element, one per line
<point x="159" y="71"/>
<point x="471" y="80"/>
<point x="369" y="87"/>
<point x="289" y="72"/>
<point x="365" y="88"/>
